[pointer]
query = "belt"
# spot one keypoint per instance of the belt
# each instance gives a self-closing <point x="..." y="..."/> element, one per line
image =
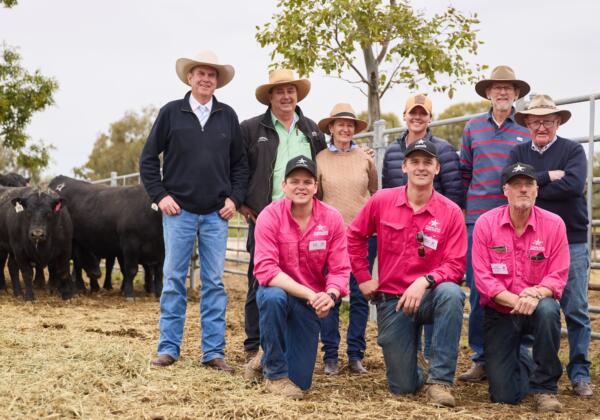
<point x="380" y="297"/>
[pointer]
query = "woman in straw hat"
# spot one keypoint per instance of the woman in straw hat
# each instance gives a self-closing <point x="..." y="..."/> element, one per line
<point x="347" y="177"/>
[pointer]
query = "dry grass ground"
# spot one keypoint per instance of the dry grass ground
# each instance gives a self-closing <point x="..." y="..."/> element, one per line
<point x="90" y="358"/>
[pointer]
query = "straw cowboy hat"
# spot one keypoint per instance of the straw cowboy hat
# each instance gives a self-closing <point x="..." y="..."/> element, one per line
<point x="282" y="77"/>
<point x="502" y="74"/>
<point x="204" y="58"/>
<point x="542" y="105"/>
<point x="345" y="111"/>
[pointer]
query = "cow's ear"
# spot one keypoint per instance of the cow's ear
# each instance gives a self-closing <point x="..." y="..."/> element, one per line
<point x="27" y="181"/>
<point x="19" y="204"/>
<point x="57" y="205"/>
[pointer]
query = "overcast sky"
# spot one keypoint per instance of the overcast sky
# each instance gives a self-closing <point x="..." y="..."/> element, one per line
<point x="112" y="56"/>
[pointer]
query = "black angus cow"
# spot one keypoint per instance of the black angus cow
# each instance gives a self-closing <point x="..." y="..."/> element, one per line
<point x="13" y="179"/>
<point x="36" y="229"/>
<point x="151" y="272"/>
<point x="113" y="221"/>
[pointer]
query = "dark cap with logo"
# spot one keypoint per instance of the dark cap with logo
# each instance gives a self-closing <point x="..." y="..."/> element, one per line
<point x="517" y="169"/>
<point x="301" y="162"/>
<point x="421" y="146"/>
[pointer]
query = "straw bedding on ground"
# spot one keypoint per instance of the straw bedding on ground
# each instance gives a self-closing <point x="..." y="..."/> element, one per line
<point x="90" y="358"/>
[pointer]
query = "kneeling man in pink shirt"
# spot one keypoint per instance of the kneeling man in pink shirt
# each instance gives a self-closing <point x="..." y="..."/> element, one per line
<point x="301" y="263"/>
<point x="521" y="265"/>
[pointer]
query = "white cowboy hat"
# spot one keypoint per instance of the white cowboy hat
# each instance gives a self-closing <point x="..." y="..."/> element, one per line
<point x="542" y="105"/>
<point x="225" y="72"/>
<point x="282" y="77"/>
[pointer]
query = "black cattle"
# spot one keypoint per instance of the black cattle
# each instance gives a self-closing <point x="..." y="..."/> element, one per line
<point x="13" y="179"/>
<point x="113" y="221"/>
<point x="36" y="229"/>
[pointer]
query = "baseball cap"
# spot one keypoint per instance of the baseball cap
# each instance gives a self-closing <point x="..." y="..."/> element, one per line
<point x="301" y="162"/>
<point x="421" y="145"/>
<point x="517" y="169"/>
<point x="419" y="99"/>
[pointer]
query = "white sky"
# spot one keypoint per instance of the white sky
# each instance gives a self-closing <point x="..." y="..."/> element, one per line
<point x="112" y="56"/>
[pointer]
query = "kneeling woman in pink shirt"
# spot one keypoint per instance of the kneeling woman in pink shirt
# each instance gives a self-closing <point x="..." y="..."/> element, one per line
<point x="301" y="263"/>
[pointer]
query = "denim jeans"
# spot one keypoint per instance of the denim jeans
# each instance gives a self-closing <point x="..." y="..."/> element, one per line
<point x="179" y="234"/>
<point x="289" y="336"/>
<point x="251" y="321"/>
<point x="359" y="314"/>
<point x="476" y="313"/>
<point x="574" y="303"/>
<point x="398" y="334"/>
<point x="510" y="378"/>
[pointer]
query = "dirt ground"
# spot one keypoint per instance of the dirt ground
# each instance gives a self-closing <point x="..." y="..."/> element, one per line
<point x="90" y="358"/>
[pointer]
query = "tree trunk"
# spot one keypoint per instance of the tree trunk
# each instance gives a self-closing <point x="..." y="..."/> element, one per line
<point x="373" y="86"/>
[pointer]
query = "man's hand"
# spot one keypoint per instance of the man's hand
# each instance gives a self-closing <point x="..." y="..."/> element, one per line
<point x="228" y="209"/>
<point x="525" y="306"/>
<point x="370" y="152"/>
<point x="321" y="303"/>
<point x="556" y="174"/>
<point x="411" y="298"/>
<point x="369" y="288"/>
<point x="168" y="206"/>
<point x="533" y="292"/>
<point x="249" y="214"/>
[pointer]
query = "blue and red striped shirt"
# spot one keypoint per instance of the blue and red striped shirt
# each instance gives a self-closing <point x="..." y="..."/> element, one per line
<point x="483" y="153"/>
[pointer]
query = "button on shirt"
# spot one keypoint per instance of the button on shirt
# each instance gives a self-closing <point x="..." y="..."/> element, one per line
<point x="201" y="111"/>
<point x="389" y="214"/>
<point x="316" y="258"/>
<point x="502" y="261"/>
<point x="292" y="143"/>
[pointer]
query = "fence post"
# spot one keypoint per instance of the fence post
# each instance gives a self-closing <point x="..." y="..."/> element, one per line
<point x="379" y="145"/>
<point x="590" y="177"/>
<point x="113" y="179"/>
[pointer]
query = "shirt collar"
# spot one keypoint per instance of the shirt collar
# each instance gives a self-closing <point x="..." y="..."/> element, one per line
<point x="430" y="207"/>
<point x="535" y="148"/>
<point x="314" y="213"/>
<point x="532" y="221"/>
<point x="332" y="147"/>
<point x="511" y="117"/>
<point x="276" y="121"/>
<point x="194" y="104"/>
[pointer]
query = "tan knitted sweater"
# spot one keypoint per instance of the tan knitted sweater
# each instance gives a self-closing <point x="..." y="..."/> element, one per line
<point x="346" y="180"/>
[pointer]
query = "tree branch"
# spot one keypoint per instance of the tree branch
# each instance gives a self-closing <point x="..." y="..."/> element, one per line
<point x="350" y="63"/>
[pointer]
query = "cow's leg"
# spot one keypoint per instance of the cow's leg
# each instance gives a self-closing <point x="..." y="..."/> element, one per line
<point x="130" y="269"/>
<point x="27" y="273"/>
<point x="158" y="279"/>
<point x="3" y="258"/>
<point x="148" y="278"/>
<point x="110" y="263"/>
<point x="40" y="280"/>
<point x="60" y="273"/>
<point x="13" y="270"/>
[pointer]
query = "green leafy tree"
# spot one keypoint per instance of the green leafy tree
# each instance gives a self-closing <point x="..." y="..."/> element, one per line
<point x="8" y="3"/>
<point x="453" y="132"/>
<point x="398" y="44"/>
<point x="21" y="95"/>
<point x="119" y="150"/>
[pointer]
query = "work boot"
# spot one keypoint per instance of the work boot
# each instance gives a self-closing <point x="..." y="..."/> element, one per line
<point x="440" y="395"/>
<point x="163" y="360"/>
<point x="253" y="370"/>
<point x="545" y="403"/>
<point x="331" y="368"/>
<point x="582" y="389"/>
<point x="476" y="373"/>
<point x="249" y="354"/>
<point x="220" y="365"/>
<point x="285" y="388"/>
<point x="356" y="366"/>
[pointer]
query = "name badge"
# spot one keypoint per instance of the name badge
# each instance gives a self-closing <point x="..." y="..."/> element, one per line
<point x="317" y="245"/>
<point x="499" y="268"/>
<point x="429" y="242"/>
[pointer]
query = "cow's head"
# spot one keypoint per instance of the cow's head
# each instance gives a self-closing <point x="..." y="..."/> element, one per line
<point x="38" y="212"/>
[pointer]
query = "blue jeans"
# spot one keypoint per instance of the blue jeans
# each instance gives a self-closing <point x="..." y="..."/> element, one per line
<point x="179" y="234"/>
<point x="289" y="336"/>
<point x="510" y="377"/>
<point x="398" y="335"/>
<point x="476" y="313"/>
<point x="574" y="303"/>
<point x="359" y="314"/>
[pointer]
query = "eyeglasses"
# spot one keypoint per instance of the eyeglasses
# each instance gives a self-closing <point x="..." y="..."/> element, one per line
<point x="534" y="125"/>
<point x="420" y="239"/>
<point x="507" y="88"/>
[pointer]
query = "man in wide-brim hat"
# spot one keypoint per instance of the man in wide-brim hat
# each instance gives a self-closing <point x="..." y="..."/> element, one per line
<point x="271" y="139"/>
<point x="561" y="171"/>
<point x="486" y="143"/>
<point x="204" y="178"/>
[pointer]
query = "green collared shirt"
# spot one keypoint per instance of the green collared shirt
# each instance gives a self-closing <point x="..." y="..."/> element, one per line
<point x="292" y="143"/>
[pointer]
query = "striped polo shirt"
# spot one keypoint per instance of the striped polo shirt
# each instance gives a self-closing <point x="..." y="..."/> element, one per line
<point x="483" y="153"/>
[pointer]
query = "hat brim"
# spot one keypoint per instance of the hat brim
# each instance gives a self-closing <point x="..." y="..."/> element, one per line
<point x="482" y="85"/>
<point x="564" y="114"/>
<point x="407" y="111"/>
<point x="225" y="72"/>
<point x="359" y="125"/>
<point x="427" y="152"/>
<point x="302" y="87"/>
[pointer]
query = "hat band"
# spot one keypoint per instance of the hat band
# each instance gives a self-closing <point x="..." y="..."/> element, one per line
<point x="344" y="114"/>
<point x="543" y="106"/>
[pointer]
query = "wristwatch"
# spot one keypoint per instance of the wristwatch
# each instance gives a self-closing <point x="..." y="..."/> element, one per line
<point x="333" y="297"/>
<point x="430" y="280"/>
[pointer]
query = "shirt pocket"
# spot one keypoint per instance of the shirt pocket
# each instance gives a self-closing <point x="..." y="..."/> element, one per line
<point x="501" y="261"/>
<point x="538" y="263"/>
<point x="392" y="237"/>
<point x="288" y="250"/>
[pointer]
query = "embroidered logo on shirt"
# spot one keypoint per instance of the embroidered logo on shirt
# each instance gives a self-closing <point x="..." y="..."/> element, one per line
<point x="537" y="245"/>
<point x="261" y="139"/>
<point x="433" y="226"/>
<point x="321" y="230"/>
<point x="519" y="138"/>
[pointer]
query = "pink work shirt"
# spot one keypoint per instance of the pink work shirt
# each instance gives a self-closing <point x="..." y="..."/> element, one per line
<point x="316" y="258"/>
<point x="389" y="214"/>
<point x="502" y="261"/>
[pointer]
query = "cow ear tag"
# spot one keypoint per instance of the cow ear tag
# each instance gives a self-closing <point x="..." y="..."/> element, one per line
<point x="18" y="207"/>
<point x="154" y="206"/>
<point x="57" y="207"/>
